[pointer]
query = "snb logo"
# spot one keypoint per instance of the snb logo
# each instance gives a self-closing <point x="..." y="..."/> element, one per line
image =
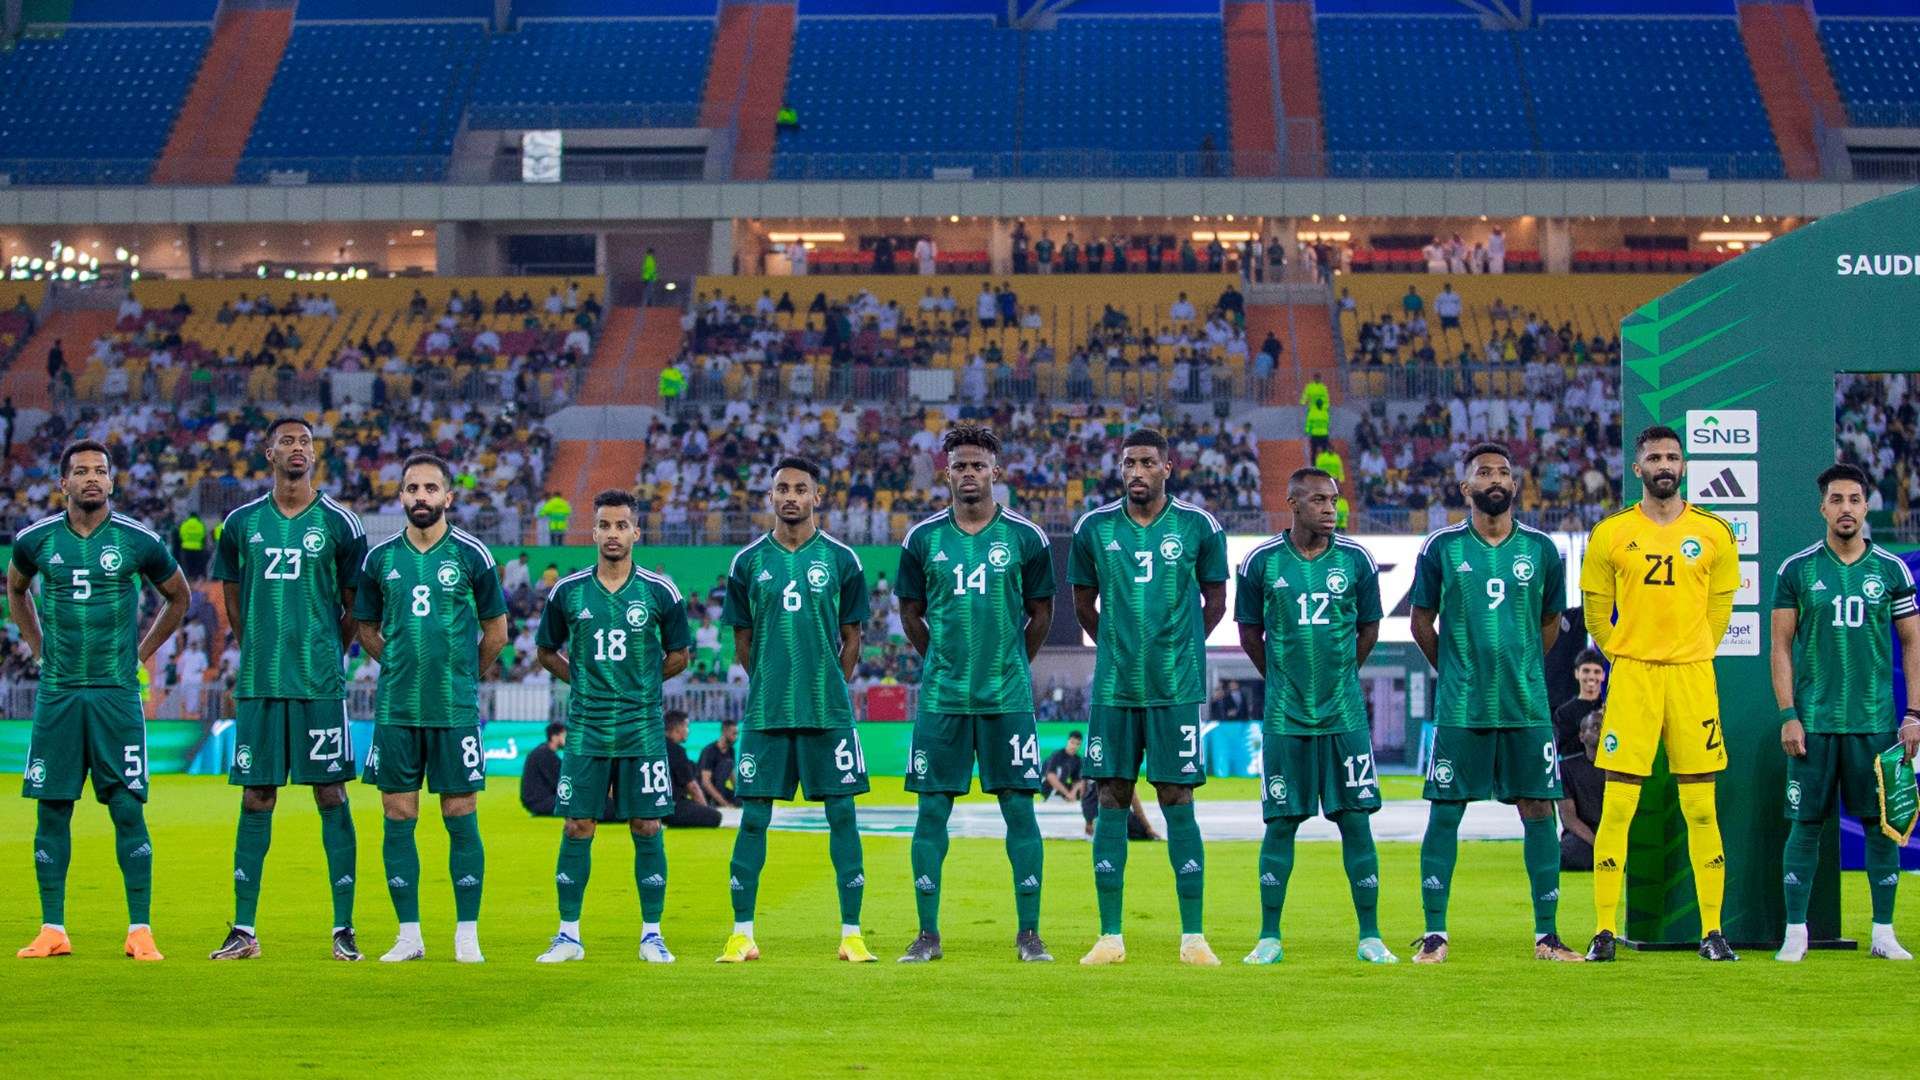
<point x="1171" y="548"/>
<point x="1793" y="793"/>
<point x="313" y="541"/>
<point x="565" y="790"/>
<point x="243" y="758"/>
<point x="919" y="763"/>
<point x="748" y="768"/>
<point x="1723" y="431"/>
<point x="1277" y="788"/>
<point x="1096" y="752"/>
<point x="37" y="772"/>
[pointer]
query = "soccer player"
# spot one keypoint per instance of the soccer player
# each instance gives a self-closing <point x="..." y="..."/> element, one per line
<point x="287" y="563"/>
<point x="976" y="598"/>
<point x="1833" y="677"/>
<point x="431" y="612"/>
<point x="1495" y="588"/>
<point x="625" y="631"/>
<point x="1149" y="576"/>
<point x="1670" y="570"/>
<point x="87" y="720"/>
<point x="1308" y="605"/>
<point x="796" y="598"/>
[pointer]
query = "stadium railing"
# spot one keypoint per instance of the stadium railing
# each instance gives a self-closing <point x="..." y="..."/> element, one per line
<point x="1049" y="382"/>
<point x="1417" y="381"/>
<point x="231" y="387"/>
<point x="546" y="115"/>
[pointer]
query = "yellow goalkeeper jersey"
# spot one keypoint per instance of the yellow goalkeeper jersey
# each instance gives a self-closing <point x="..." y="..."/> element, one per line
<point x="1660" y="579"/>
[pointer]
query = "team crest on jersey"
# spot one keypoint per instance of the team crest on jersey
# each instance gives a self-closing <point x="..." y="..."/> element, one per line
<point x="919" y="763"/>
<point x="1523" y="569"/>
<point x="449" y="575"/>
<point x="1610" y="743"/>
<point x="314" y="540"/>
<point x="37" y="772"/>
<point x="818" y="575"/>
<point x="747" y="767"/>
<point x="243" y="758"/>
<point x="1336" y="581"/>
<point x="110" y="559"/>
<point x="1171" y="548"/>
<point x="1872" y="587"/>
<point x="565" y="790"/>
<point x="637" y="614"/>
<point x="1277" y="788"/>
<point x="1443" y="772"/>
<point x="1690" y="547"/>
<point x="999" y="556"/>
<point x="1096" y="753"/>
<point x="1793" y="793"/>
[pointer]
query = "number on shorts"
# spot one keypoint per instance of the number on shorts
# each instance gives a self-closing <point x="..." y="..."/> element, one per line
<point x="1713" y="732"/>
<point x="790" y="596"/>
<point x="1026" y="750"/>
<point x="470" y="752"/>
<point x="609" y="644"/>
<point x="1496" y="592"/>
<point x="653" y="778"/>
<point x="1189" y="740"/>
<point x="1317" y="616"/>
<point x="82" y="587"/>
<point x="849" y="760"/>
<point x="1553" y="759"/>
<point x="1145" y="559"/>
<point x="283" y="564"/>
<point x="322" y="739"/>
<point x="423" y="600"/>
<point x="964" y="582"/>
<point x="136" y="762"/>
<point x="1360" y="770"/>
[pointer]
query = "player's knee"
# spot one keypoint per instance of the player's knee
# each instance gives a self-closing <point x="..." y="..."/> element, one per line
<point x="755" y="816"/>
<point x="579" y="828"/>
<point x="1173" y="794"/>
<point x="839" y="810"/>
<point x="1532" y="809"/>
<point x="328" y="796"/>
<point x="648" y="827"/>
<point x="456" y="806"/>
<point x="124" y="809"/>
<point x="1114" y="794"/>
<point x="260" y="799"/>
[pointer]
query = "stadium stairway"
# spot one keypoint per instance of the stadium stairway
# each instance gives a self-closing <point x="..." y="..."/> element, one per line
<point x="26" y="380"/>
<point x="636" y="344"/>
<point x="1790" y="67"/>
<point x="211" y="132"/>
<point x="759" y="39"/>
<point x="1300" y="88"/>
<point x="1250" y="73"/>
<point x="1306" y="332"/>
<point x="1250" y="111"/>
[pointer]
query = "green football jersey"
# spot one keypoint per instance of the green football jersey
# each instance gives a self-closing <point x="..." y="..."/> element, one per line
<point x="615" y="642"/>
<point x="795" y="602"/>
<point x="1311" y="609"/>
<point x="429" y="605"/>
<point x="1492" y="599"/>
<point x="1843" y="643"/>
<point x="1152" y="649"/>
<point x="976" y="588"/>
<point x="89" y="603"/>
<point x="290" y="572"/>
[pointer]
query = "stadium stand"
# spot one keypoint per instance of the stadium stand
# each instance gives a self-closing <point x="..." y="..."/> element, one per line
<point x="598" y="73"/>
<point x="1876" y="67"/>
<point x="93" y="104"/>
<point x="1147" y="124"/>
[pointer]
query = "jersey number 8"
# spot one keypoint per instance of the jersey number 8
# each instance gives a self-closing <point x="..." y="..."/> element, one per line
<point x="423" y="600"/>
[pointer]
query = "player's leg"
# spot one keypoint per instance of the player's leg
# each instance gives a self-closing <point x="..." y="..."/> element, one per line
<point x="1173" y="765"/>
<point x="1628" y="737"/>
<point x="579" y="796"/>
<point x="342" y="847"/>
<point x="1007" y="747"/>
<point x="1526" y="772"/>
<point x="117" y="760"/>
<point x="320" y="755"/>
<point x="1697" y="753"/>
<point x="766" y="771"/>
<point x="927" y="855"/>
<point x="1286" y="800"/>
<point x="1811" y="789"/>
<point x="940" y="761"/>
<point x="1860" y="787"/>
<point x="650" y="876"/>
<point x="55" y="775"/>
<point x="1115" y="747"/>
<point x="1459" y="770"/>
<point x="1350" y="791"/>
<point x="259" y="768"/>
<point x="396" y="767"/>
<point x="1276" y="867"/>
<point x="833" y="769"/>
<point x="457" y="772"/>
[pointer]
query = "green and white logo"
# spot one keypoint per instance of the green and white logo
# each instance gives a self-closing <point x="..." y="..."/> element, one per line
<point x="1096" y="753"/>
<point x="637" y="614"/>
<point x="747" y="767"/>
<point x="1171" y="548"/>
<point x="818" y="575"/>
<point x="1690" y="547"/>
<point x="1872" y="587"/>
<point x="1610" y="743"/>
<point x="243" y="758"/>
<point x="1277" y="788"/>
<point x="565" y="790"/>
<point x="1793" y="793"/>
<point x="1443" y="772"/>
<point x="1523" y="569"/>
<point x="1336" y="581"/>
<point x="37" y="772"/>
<point x="1000" y="556"/>
<point x="449" y="575"/>
<point x="110" y="559"/>
<point x="314" y="540"/>
<point x="919" y="763"/>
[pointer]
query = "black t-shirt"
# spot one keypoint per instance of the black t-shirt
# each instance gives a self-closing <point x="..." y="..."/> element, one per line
<point x="540" y="780"/>
<point x="1566" y="726"/>
<point x="1586" y="785"/>
<point x="719" y="762"/>
<point x="1064" y="766"/>
<point x="679" y="769"/>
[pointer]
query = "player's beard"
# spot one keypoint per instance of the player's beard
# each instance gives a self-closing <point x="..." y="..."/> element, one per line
<point x="1492" y="501"/>
<point x="1146" y="496"/>
<point x="90" y="503"/>
<point x="793" y="516"/>
<point x="423" y="516"/>
<point x="292" y="473"/>
<point x="615" y="555"/>
<point x="1663" y="487"/>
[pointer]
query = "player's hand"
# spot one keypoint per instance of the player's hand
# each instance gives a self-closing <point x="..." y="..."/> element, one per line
<point x="1793" y="738"/>
<point x="1910" y="738"/>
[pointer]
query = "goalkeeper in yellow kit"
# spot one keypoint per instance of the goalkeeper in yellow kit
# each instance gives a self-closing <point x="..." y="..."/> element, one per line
<point x="1670" y="570"/>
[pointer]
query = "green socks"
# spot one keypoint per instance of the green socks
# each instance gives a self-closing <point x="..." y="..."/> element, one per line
<point x="466" y="864"/>
<point x="650" y="874"/>
<point x="1798" y="864"/>
<point x="52" y="852"/>
<point x="843" y="844"/>
<point x="249" y="858"/>
<point x="1189" y="858"/>
<point x="928" y="852"/>
<point x="1276" y="866"/>
<point x="1541" y="850"/>
<point x="337" y="837"/>
<point x="135" y="852"/>
<point x="402" y="861"/>
<point x="570" y="876"/>
<point x="1024" y="852"/>
<point x="1439" y="852"/>
<point x="1110" y="864"/>
<point x="749" y="856"/>
<point x="1363" y="869"/>
<point x="1883" y="872"/>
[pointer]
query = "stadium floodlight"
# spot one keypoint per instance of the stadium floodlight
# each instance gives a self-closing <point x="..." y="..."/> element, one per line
<point x="120" y="254"/>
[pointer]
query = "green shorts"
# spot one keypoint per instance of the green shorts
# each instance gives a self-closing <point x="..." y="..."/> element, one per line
<point x="941" y="755"/>
<point x="452" y="761"/>
<point x="1835" y="764"/>
<point x="1508" y="764"/>
<point x="613" y="788"/>
<point x="280" y="738"/>
<point x="86" y="731"/>
<point x="1303" y="775"/>
<point x="824" y="762"/>
<point x="1166" y="737"/>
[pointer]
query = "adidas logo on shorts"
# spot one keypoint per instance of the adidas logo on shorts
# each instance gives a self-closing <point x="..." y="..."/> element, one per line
<point x="1433" y="882"/>
<point x="661" y="801"/>
<point x="923" y="883"/>
<point x="1607" y="864"/>
<point x="562" y="879"/>
<point x="466" y="881"/>
<point x="1031" y="775"/>
<point x="1269" y="879"/>
<point x="134" y="784"/>
<point x="1188" y="768"/>
<point x="333" y="767"/>
<point x="1032" y="882"/>
<point x="1191" y="866"/>
<point x="653" y="881"/>
<point x="847" y="779"/>
<point x="476" y="775"/>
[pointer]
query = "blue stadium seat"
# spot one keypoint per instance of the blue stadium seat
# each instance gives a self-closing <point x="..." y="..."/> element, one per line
<point x="1876" y="68"/>
<point x="366" y="91"/>
<point x="595" y="71"/>
<point x="94" y="105"/>
<point x="1150" y="90"/>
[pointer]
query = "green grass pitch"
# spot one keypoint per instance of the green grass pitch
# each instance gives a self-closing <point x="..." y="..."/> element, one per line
<point x="1493" y="1010"/>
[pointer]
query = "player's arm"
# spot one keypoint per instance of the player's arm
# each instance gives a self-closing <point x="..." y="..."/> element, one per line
<point x="177" y="593"/>
<point x="226" y="570"/>
<point x="1039" y="621"/>
<point x="1426" y="634"/>
<point x="368" y="604"/>
<point x="350" y="551"/>
<point x="1793" y="736"/>
<point x="743" y="647"/>
<point x="551" y="636"/>
<point x="913" y="621"/>
<point x="674" y="662"/>
<point x="20" y="602"/>
<point x="1036" y="579"/>
<point x="1365" y="635"/>
<point x="1907" y="629"/>
<point x="1367" y="614"/>
<point x="1086" y="609"/>
<point x="849" y="648"/>
<point x="230" y="599"/>
<point x="1723" y="585"/>
<point x="1553" y="588"/>
<point x="1211" y="569"/>
<point x="853" y="612"/>
<point x="370" y="639"/>
<point x="1570" y="820"/>
<point x="1213" y="604"/>
<point x="1596" y="589"/>
<point x="1249" y="616"/>
<point x="1425" y="604"/>
<point x="493" y="638"/>
<point x="555" y="662"/>
<point x="1083" y="574"/>
<point x="910" y="587"/>
<point x="1053" y="781"/>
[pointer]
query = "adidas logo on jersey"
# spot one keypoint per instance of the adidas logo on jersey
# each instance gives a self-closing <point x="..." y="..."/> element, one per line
<point x="1465" y="567"/>
<point x="1032" y="882"/>
<point x="858" y="881"/>
<point x="940" y="556"/>
<point x="1269" y="879"/>
<point x="585" y="614"/>
<point x="1188" y="767"/>
<point x="1371" y="881"/>
<point x="240" y="875"/>
<point x="1819" y="586"/>
<point x="397" y="882"/>
<point x="476" y="775"/>
<point x="923" y="883"/>
<point x="345" y="880"/>
<point x="393" y="575"/>
<point x="1433" y="882"/>
<point x="1113" y="545"/>
<point x="562" y="879"/>
<point x="256" y="538"/>
<point x="1191" y="866"/>
<point x="764" y="576"/>
<point x="1633" y="545"/>
<point x="1791" y="879"/>
<point x="466" y="881"/>
<point x="1103" y="867"/>
<point x="1281" y="583"/>
<point x="56" y="560"/>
